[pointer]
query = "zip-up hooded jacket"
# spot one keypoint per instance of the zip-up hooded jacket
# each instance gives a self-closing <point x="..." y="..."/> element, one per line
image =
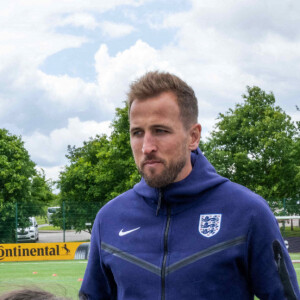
<point x="200" y="238"/>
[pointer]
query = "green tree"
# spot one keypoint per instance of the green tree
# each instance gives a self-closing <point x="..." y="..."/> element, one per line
<point x="254" y="144"/>
<point x="125" y="171"/>
<point x="296" y="154"/>
<point x="23" y="190"/>
<point x="97" y="172"/>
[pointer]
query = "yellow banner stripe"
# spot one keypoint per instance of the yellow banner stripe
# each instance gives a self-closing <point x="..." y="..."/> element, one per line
<point x="43" y="251"/>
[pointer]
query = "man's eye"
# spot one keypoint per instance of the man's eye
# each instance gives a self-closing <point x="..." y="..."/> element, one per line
<point x="137" y="133"/>
<point x="161" y="130"/>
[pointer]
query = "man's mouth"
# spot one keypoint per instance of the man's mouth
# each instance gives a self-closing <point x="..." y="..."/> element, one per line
<point x="152" y="162"/>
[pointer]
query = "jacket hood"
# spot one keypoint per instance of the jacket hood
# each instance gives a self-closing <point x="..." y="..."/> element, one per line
<point x="202" y="178"/>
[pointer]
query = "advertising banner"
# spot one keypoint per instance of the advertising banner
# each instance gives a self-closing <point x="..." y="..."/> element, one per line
<point x="44" y="251"/>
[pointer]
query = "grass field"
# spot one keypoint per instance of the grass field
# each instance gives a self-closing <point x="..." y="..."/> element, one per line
<point x="288" y="232"/>
<point x="297" y="265"/>
<point x="62" y="278"/>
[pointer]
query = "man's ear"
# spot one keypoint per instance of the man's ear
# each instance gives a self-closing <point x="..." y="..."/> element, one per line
<point x="194" y="136"/>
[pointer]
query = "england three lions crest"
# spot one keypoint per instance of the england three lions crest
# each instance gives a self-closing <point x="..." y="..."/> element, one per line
<point x="209" y="225"/>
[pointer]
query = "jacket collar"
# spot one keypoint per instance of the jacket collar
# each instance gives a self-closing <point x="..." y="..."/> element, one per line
<point x="182" y="194"/>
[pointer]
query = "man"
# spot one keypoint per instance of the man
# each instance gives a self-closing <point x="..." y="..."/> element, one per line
<point x="183" y="232"/>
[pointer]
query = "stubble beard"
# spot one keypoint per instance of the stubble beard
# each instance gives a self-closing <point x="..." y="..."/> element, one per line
<point x="167" y="176"/>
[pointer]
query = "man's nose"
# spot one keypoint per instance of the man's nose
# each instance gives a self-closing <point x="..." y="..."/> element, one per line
<point x="149" y="144"/>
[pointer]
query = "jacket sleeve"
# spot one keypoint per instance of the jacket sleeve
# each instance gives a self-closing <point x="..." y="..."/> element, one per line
<point x="97" y="282"/>
<point x="271" y="271"/>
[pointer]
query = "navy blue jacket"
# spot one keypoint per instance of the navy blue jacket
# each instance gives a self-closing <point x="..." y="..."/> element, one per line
<point x="210" y="239"/>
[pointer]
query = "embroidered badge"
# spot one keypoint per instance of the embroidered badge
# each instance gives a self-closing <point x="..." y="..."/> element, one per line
<point x="209" y="225"/>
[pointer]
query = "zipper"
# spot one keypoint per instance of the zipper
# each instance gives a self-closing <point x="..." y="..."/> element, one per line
<point x="163" y="269"/>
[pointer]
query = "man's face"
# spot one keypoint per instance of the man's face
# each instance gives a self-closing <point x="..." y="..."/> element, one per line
<point x="159" y="141"/>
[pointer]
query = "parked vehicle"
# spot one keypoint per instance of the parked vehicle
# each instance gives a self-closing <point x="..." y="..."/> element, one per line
<point x="29" y="234"/>
<point x="286" y="242"/>
<point x="51" y="211"/>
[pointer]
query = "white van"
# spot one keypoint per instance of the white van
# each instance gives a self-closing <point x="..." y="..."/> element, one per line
<point x="29" y="234"/>
<point x="51" y="211"/>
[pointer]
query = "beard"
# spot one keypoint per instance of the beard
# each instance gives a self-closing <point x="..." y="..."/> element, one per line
<point x="167" y="176"/>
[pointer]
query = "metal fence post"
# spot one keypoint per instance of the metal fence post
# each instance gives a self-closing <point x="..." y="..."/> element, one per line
<point x="64" y="221"/>
<point x="16" y="217"/>
<point x="283" y="225"/>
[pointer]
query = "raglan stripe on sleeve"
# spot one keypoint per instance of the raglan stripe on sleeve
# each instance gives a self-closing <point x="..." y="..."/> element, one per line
<point x="206" y="252"/>
<point x="131" y="258"/>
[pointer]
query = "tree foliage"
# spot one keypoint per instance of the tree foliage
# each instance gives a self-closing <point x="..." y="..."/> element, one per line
<point x="97" y="172"/>
<point x="257" y="145"/>
<point x="23" y="190"/>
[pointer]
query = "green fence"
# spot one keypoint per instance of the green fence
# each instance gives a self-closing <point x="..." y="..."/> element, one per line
<point x="17" y="224"/>
<point x="80" y="217"/>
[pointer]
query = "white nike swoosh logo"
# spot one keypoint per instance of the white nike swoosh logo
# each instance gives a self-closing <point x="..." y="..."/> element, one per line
<point x="121" y="233"/>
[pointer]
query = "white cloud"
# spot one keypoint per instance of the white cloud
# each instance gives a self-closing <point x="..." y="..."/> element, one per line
<point x="116" y="73"/>
<point x="116" y="30"/>
<point x="220" y="47"/>
<point x="52" y="173"/>
<point x="80" y="20"/>
<point x="30" y="32"/>
<point x="69" y="92"/>
<point x="28" y="29"/>
<point x="50" y="149"/>
<point x="27" y="38"/>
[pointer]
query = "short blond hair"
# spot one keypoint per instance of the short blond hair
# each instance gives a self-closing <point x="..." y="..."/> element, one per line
<point x="154" y="83"/>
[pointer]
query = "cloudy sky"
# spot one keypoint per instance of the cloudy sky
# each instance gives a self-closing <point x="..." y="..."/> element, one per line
<point x="66" y="65"/>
